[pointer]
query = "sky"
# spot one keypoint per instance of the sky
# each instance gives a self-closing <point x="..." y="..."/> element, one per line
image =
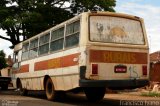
<point x="149" y="10"/>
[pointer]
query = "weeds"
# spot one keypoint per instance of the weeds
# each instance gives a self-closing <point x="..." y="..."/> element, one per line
<point x="151" y="94"/>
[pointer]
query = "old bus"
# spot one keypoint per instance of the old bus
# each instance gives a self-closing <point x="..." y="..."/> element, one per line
<point x="93" y="50"/>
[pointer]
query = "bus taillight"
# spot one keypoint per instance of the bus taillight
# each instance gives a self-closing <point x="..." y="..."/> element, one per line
<point x="94" y="68"/>
<point x="144" y="70"/>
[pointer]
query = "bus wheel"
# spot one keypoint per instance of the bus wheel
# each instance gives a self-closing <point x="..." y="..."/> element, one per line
<point x="95" y="93"/>
<point x="23" y="91"/>
<point x="50" y="92"/>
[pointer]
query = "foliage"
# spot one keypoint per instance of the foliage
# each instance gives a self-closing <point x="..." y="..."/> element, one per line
<point x="22" y="19"/>
<point x="151" y="94"/>
<point x="2" y="60"/>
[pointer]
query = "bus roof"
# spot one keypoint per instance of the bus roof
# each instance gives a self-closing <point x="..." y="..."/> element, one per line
<point x="19" y="46"/>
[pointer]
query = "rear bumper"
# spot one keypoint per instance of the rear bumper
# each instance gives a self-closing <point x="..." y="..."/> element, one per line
<point x="114" y="84"/>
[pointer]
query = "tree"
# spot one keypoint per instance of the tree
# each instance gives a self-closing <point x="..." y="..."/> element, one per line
<point x="3" y="63"/>
<point x="22" y="19"/>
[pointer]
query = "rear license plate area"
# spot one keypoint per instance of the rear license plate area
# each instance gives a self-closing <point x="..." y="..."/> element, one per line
<point x="120" y="69"/>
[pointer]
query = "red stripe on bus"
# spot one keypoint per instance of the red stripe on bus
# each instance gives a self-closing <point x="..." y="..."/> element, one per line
<point x="43" y="65"/>
<point x="65" y="61"/>
<point x="23" y="68"/>
<point x="70" y="60"/>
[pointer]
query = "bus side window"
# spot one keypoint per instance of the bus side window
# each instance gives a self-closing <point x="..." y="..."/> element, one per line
<point x="57" y="38"/>
<point x="25" y="51"/>
<point x="72" y="34"/>
<point x="44" y="44"/>
<point x="33" y="50"/>
<point x="15" y="57"/>
<point x="16" y="64"/>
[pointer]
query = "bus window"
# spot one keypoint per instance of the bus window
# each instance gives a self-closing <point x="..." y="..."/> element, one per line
<point x="44" y="44"/>
<point x="57" y="38"/>
<point x="16" y="66"/>
<point x="15" y="57"/>
<point x="72" y="34"/>
<point x="25" y="51"/>
<point x="33" y="48"/>
<point x="116" y="30"/>
<point x="16" y="60"/>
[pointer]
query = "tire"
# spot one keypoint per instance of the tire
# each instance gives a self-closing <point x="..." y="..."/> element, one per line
<point x="4" y="87"/>
<point x="50" y="91"/>
<point x="95" y="93"/>
<point x="22" y="91"/>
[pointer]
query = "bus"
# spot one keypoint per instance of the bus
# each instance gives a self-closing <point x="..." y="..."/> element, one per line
<point x="92" y="51"/>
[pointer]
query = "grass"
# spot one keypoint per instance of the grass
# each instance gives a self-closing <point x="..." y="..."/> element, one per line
<point x="151" y="94"/>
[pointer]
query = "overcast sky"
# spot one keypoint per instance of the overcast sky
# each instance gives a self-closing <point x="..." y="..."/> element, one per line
<point x="149" y="10"/>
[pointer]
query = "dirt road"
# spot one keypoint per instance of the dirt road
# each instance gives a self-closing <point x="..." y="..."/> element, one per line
<point x="39" y="99"/>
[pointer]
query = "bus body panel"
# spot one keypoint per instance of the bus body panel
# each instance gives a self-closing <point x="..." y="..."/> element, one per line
<point x="107" y="59"/>
<point x="116" y="54"/>
<point x="71" y="68"/>
<point x="64" y="75"/>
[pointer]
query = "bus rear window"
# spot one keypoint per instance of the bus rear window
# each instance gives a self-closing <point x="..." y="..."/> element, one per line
<point x="116" y="30"/>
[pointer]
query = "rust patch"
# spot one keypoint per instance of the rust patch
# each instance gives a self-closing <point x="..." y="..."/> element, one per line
<point x="117" y="31"/>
